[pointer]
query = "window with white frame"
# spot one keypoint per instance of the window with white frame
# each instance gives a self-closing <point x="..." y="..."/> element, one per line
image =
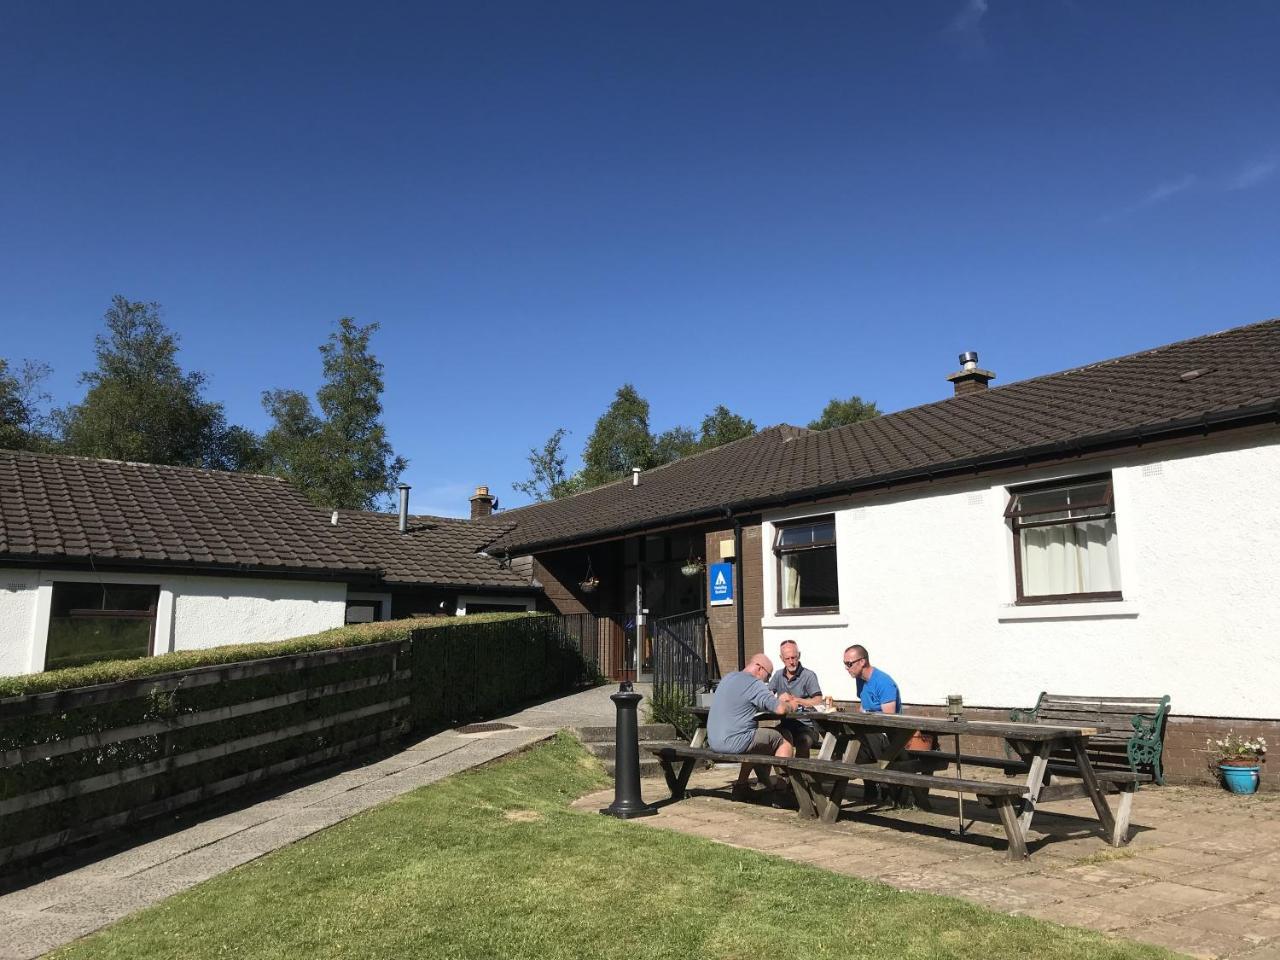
<point x="806" y="553"/>
<point x="1064" y="540"/>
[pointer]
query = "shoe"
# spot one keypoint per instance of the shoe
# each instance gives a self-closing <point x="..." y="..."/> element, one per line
<point x="783" y="797"/>
<point x="744" y="792"/>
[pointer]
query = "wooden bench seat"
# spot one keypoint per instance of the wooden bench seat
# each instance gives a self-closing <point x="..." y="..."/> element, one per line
<point x="1136" y="739"/>
<point x="1012" y="766"/>
<point x="678" y="760"/>
<point x="819" y="786"/>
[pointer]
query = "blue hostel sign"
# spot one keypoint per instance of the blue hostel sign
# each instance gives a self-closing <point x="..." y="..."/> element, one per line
<point x="720" y="583"/>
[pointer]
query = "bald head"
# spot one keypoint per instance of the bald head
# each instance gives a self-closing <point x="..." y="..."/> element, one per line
<point x="760" y="660"/>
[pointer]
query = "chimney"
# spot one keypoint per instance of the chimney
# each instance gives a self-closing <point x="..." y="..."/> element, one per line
<point x="635" y="476"/>
<point x="482" y="503"/>
<point x="969" y="378"/>
<point x="404" y="507"/>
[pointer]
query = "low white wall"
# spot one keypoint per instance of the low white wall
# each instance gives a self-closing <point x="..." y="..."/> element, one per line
<point x="193" y="611"/>
<point x="926" y="584"/>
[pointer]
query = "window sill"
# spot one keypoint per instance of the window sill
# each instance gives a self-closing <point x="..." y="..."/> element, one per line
<point x="801" y="620"/>
<point x="1100" y="610"/>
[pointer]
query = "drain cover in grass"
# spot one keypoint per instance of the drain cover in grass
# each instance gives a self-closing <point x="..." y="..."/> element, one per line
<point x="485" y="727"/>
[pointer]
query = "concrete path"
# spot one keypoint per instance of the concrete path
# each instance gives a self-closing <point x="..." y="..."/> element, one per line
<point x="55" y="910"/>
<point x="1201" y="875"/>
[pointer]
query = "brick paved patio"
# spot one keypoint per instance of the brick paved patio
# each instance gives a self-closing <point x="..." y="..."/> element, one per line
<point x="1201" y="875"/>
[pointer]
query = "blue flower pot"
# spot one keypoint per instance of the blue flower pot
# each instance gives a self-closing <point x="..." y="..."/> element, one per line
<point x="1240" y="779"/>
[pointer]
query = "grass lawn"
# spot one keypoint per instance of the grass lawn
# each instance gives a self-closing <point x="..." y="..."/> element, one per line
<point x="493" y="864"/>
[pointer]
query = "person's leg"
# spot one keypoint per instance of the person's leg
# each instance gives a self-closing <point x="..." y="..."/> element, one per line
<point x="768" y="742"/>
<point x="869" y="750"/>
<point x="804" y="741"/>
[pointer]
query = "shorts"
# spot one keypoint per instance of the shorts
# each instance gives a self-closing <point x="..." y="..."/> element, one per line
<point x="800" y="734"/>
<point x="766" y="740"/>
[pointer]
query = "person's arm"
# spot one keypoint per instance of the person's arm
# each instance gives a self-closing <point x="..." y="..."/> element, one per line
<point x="813" y="694"/>
<point x="891" y="706"/>
<point x="766" y="702"/>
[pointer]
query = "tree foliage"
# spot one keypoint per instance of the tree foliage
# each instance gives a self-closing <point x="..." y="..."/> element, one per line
<point x="141" y="406"/>
<point x="722" y="426"/>
<point x="671" y="445"/>
<point x="340" y="456"/>
<point x="839" y="412"/>
<point x="21" y="425"/>
<point x="622" y="439"/>
<point x="548" y="479"/>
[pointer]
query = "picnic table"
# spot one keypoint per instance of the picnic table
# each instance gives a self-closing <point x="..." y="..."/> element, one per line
<point x="819" y="782"/>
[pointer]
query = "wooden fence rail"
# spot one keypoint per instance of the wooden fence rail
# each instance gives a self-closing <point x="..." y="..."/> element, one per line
<point x="142" y="748"/>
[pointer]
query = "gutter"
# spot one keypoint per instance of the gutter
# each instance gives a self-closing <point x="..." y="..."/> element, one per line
<point x="1137" y="436"/>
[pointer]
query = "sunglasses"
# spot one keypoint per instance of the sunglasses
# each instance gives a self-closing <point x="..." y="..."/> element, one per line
<point x="850" y="664"/>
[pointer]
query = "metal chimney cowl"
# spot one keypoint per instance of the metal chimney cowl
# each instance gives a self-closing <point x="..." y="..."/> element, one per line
<point x="404" y="507"/>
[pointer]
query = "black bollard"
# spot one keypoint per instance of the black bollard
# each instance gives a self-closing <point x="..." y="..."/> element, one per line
<point x="627" y="802"/>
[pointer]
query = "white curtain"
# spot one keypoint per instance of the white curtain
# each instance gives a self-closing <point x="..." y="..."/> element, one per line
<point x="790" y="582"/>
<point x="1070" y="558"/>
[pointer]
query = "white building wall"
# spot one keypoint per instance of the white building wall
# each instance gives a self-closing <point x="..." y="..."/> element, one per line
<point x="17" y="618"/>
<point x="926" y="584"/>
<point x="193" y="611"/>
<point x="210" y="611"/>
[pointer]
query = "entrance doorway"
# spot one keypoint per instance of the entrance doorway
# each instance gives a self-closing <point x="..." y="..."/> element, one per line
<point x="654" y="562"/>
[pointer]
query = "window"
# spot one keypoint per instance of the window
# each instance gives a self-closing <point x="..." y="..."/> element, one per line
<point x="807" y="566"/>
<point x="1064" y="541"/>
<point x="100" y="621"/>
<point x="361" y="612"/>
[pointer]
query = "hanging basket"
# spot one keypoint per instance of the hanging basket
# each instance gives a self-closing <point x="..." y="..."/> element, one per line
<point x="692" y="569"/>
<point x="589" y="585"/>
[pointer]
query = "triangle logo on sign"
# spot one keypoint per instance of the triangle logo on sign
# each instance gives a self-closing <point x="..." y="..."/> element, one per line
<point x="720" y="581"/>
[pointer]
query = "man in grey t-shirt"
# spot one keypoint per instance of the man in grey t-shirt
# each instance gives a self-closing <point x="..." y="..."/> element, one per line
<point x="731" y="724"/>
<point x="802" y="683"/>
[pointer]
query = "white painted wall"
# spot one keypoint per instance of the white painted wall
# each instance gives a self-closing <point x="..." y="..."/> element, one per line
<point x="926" y="584"/>
<point x="194" y="612"/>
<point x="17" y="618"/>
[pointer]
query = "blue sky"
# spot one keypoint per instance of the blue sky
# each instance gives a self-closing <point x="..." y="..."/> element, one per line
<point x="759" y="204"/>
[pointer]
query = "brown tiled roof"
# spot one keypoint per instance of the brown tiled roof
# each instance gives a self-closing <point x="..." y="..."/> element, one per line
<point x="434" y="550"/>
<point x="60" y="508"/>
<point x="1220" y="380"/>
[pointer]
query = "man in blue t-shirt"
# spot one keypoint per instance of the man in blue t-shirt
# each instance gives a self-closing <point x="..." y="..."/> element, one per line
<point x="877" y="693"/>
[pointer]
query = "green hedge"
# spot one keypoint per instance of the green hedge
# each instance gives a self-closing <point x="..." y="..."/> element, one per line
<point x="109" y="671"/>
<point x="477" y="669"/>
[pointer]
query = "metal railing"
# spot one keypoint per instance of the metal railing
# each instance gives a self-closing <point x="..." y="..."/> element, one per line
<point x="602" y="641"/>
<point x="678" y="666"/>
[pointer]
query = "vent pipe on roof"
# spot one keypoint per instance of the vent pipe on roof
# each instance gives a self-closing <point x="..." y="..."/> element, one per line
<point x="333" y="518"/>
<point x="635" y="476"/>
<point x="404" y="507"/>
<point x="969" y="378"/>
